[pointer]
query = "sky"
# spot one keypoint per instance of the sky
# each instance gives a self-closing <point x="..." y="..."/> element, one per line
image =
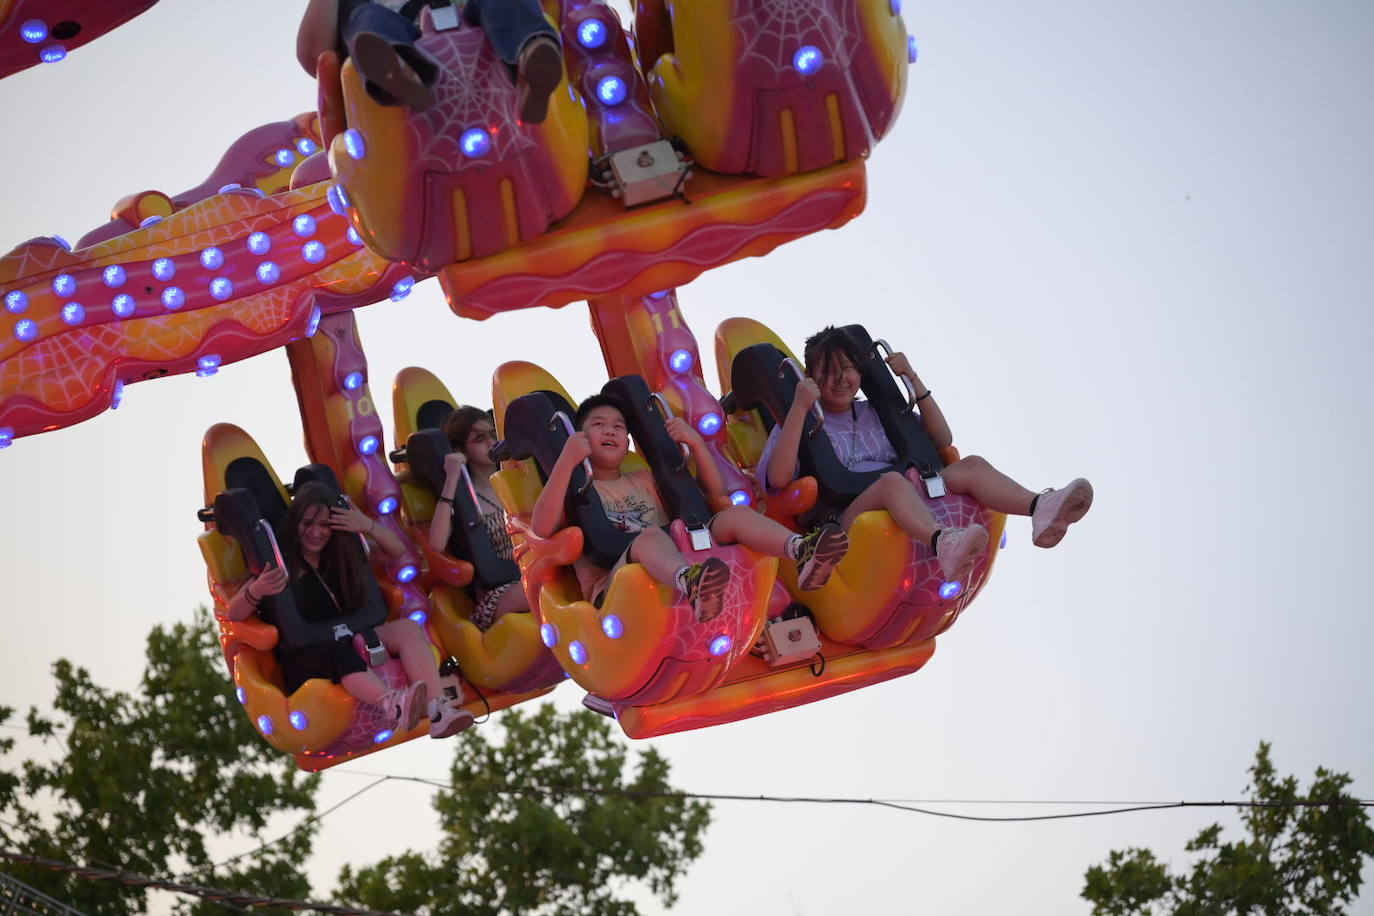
<point x="1129" y="241"/>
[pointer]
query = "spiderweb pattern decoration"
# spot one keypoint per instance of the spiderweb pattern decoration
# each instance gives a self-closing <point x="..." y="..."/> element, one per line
<point x="474" y="90"/>
<point x="771" y="31"/>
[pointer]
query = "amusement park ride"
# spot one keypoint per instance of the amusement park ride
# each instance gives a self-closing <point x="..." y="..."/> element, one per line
<point x="723" y="130"/>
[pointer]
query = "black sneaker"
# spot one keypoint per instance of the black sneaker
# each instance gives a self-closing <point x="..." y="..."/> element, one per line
<point x="820" y="551"/>
<point x="704" y="584"/>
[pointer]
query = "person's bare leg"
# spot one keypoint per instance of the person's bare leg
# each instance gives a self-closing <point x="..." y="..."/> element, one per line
<point x="656" y="552"/>
<point x="407" y="640"/>
<point x="738" y="525"/>
<point x="898" y="496"/>
<point x="975" y="476"/>
<point x="365" y="686"/>
<point x="513" y="601"/>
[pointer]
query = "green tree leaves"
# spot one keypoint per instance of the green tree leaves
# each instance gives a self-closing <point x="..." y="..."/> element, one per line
<point x="1299" y="859"/>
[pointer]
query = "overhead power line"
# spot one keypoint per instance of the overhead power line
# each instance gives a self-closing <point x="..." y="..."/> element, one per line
<point x="217" y="895"/>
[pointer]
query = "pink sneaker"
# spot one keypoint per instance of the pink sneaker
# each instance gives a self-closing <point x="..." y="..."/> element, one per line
<point x="406" y="706"/>
<point x="958" y="549"/>
<point x="446" y="720"/>
<point x="1056" y="510"/>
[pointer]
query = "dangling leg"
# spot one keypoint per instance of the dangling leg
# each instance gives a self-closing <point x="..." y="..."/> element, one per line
<point x="382" y="45"/>
<point x="525" y="41"/>
<point x="957" y="549"/>
<point x="1051" y="512"/>
<point x="816" y="553"/>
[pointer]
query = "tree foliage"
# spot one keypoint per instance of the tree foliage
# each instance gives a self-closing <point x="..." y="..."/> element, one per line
<point x="538" y="852"/>
<point x="1299" y="860"/>
<point x="145" y="781"/>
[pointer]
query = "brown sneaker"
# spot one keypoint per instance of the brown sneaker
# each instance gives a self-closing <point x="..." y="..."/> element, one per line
<point x="537" y="74"/>
<point x="704" y="585"/>
<point x="380" y="63"/>
<point x="820" y="551"/>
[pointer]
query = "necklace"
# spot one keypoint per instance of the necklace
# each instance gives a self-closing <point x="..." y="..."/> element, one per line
<point x="328" y="591"/>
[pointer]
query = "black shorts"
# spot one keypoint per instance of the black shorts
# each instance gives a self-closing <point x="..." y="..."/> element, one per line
<point x="333" y="660"/>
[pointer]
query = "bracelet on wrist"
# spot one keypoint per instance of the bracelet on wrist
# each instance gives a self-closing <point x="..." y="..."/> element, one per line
<point x="922" y="397"/>
<point x="447" y="499"/>
<point x="248" y="592"/>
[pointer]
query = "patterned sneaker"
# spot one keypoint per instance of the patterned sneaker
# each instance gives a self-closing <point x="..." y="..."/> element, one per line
<point x="379" y="62"/>
<point x="1056" y="510"/>
<point x="406" y="706"/>
<point x="446" y="720"/>
<point x="820" y="550"/>
<point x="537" y="74"/>
<point x="958" y="549"/>
<point x="704" y="585"/>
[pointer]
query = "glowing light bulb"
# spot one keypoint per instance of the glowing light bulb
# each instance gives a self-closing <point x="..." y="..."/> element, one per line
<point x="73" y="314"/>
<point x="740" y="498"/>
<point x="25" y="329"/>
<point x="592" y="34"/>
<point x="611" y="90"/>
<point x="577" y="652"/>
<point x="6" y="436"/>
<point x="114" y="276"/>
<point x="387" y="505"/>
<point x="419" y="617"/>
<point x="681" y="360"/>
<point x="164" y="269"/>
<point x="212" y="258"/>
<point x="34" y="31"/>
<point x="173" y="298"/>
<point x="303" y="225"/>
<point x="149" y="221"/>
<point x="709" y="424"/>
<point x="221" y="288"/>
<point x="406" y="573"/>
<point x="313" y="324"/>
<point x="383" y="736"/>
<point x="299" y="721"/>
<point x="268" y="273"/>
<point x="16" y="301"/>
<point x="313" y="251"/>
<point x="64" y="284"/>
<point x="116" y="398"/>
<point x="241" y="694"/>
<point x="354" y="237"/>
<point x="808" y="59"/>
<point x="265" y="724"/>
<point x="367" y="445"/>
<point x="354" y="144"/>
<point x="549" y="634"/>
<point x="475" y="142"/>
<point x="402" y="288"/>
<point x="208" y="365"/>
<point x="353" y="381"/>
<point x="720" y="645"/>
<point x="950" y="590"/>
<point x="122" y="305"/>
<point x="911" y="49"/>
<point x="307" y="147"/>
<point x="612" y="626"/>
<point x="52" y="54"/>
<point x="259" y="243"/>
<point x="284" y="157"/>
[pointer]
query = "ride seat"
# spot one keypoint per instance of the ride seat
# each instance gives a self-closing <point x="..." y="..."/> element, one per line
<point x="760" y="379"/>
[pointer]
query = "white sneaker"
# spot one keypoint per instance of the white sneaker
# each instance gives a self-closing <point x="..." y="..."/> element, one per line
<point x="406" y="706"/>
<point x="958" y="549"/>
<point x="1056" y="510"/>
<point x="446" y="720"/>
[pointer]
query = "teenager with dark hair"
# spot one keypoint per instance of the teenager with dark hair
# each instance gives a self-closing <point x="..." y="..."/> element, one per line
<point x="326" y="574"/>
<point x="856" y="433"/>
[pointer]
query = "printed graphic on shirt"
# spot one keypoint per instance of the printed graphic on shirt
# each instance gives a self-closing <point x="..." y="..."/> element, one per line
<point x="630" y="502"/>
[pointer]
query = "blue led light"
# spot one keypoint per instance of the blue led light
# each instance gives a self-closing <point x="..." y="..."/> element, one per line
<point x="313" y="324"/>
<point x="419" y="617"/>
<point x="577" y="652"/>
<point x="387" y="505"/>
<point x="164" y="269"/>
<point x="16" y="301"/>
<point x="402" y="288"/>
<point x="895" y="6"/>
<point x="354" y="237"/>
<point x="475" y="142"/>
<point x="221" y="288"/>
<point x="338" y="201"/>
<point x="661" y="294"/>
<point x="268" y="273"/>
<point x="60" y="242"/>
<point x="950" y="590"/>
<point x="1002" y="543"/>
<point x="6" y="436"/>
<point x="740" y="498"/>
<point x="173" y="298"/>
<point x="313" y="251"/>
<point x="212" y="258"/>
<point x="353" y="381"/>
<point x="354" y="144"/>
<point x="303" y="225"/>
<point x="64" y="284"/>
<point x="149" y="221"/>
<point x="911" y="49"/>
<point x="612" y="626"/>
<point x="114" y="276"/>
<point x="231" y="186"/>
<point x="52" y="54"/>
<point x="549" y="634"/>
<point x="116" y="397"/>
<point x="611" y="90"/>
<point x="259" y="243"/>
<point x="207" y="365"/>
<point x="122" y="305"/>
<point x="406" y="573"/>
<point x="284" y="157"/>
<point x="592" y="34"/>
<point x="367" y="445"/>
<point x="34" y="31"/>
<point x="709" y="424"/>
<point x="681" y="360"/>
<point x="720" y="645"/>
<point x="265" y="724"/>
<point x="73" y="314"/>
<point x="808" y="59"/>
<point x="307" y="147"/>
<point x="383" y="736"/>
<point x="299" y="721"/>
<point x="25" y="329"/>
<point x="241" y="694"/>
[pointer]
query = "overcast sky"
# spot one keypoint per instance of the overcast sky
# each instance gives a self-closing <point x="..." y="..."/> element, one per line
<point x="1129" y="241"/>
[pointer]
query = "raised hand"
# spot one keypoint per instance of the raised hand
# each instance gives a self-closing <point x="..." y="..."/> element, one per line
<point x="349" y="519"/>
<point x="577" y="448"/>
<point x="270" y="582"/>
<point x="683" y="433"/>
<point x="807" y="393"/>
